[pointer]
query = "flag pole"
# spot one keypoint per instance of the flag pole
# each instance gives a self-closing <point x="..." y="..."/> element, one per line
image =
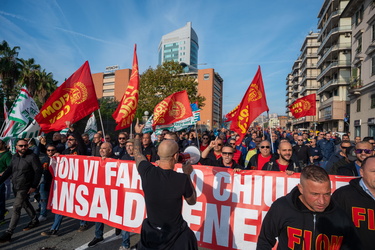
<point x="197" y="134"/>
<point x="101" y="122"/>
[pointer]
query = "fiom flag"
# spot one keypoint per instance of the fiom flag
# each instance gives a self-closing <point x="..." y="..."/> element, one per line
<point x="174" y="108"/>
<point x="231" y="114"/>
<point x="127" y="108"/>
<point x="73" y="100"/>
<point x="304" y="106"/>
<point x="252" y="105"/>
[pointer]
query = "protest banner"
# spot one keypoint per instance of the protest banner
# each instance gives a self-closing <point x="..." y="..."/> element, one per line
<point x="229" y="210"/>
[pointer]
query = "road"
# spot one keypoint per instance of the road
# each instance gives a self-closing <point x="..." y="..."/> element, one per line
<point x="69" y="238"/>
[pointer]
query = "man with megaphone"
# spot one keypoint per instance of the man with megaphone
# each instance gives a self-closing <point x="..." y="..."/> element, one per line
<point x="164" y="227"/>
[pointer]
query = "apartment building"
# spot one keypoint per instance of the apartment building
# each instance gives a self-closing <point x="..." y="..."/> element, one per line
<point x="334" y="61"/>
<point x="362" y="81"/>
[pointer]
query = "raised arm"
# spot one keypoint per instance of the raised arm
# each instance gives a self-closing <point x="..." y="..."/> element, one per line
<point x="138" y="156"/>
<point x="188" y="169"/>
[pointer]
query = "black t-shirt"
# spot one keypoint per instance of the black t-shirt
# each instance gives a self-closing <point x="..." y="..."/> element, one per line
<point x="163" y="191"/>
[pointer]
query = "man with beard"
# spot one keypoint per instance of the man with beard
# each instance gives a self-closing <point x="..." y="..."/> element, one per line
<point x="25" y="169"/>
<point x="307" y="219"/>
<point x="358" y="199"/>
<point x="284" y="163"/>
<point x="362" y="151"/>
<point x="119" y="151"/>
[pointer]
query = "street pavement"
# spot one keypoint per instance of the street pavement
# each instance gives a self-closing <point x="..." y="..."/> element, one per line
<point x="69" y="238"/>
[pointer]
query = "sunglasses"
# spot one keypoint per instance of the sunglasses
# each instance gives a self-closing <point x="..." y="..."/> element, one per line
<point x="51" y="150"/>
<point x="22" y="145"/>
<point x="226" y="153"/>
<point x="264" y="146"/>
<point x="121" y="138"/>
<point x="219" y="144"/>
<point x="70" y="139"/>
<point x="205" y="138"/>
<point x="359" y="151"/>
<point x="232" y="143"/>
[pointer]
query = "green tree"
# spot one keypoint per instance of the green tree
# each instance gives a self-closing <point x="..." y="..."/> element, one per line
<point x="16" y="72"/>
<point x="9" y="70"/>
<point x="166" y="79"/>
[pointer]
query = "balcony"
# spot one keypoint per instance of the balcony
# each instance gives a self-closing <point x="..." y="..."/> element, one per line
<point x="343" y="46"/>
<point x="346" y="28"/>
<point x="330" y="85"/>
<point x="333" y="14"/>
<point x="355" y="83"/>
<point x="333" y="64"/>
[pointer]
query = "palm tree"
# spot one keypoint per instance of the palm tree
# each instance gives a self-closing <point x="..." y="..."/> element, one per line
<point x="29" y="74"/>
<point x="9" y="69"/>
<point x="45" y="87"/>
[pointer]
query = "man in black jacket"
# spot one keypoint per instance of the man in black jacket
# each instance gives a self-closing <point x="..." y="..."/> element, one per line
<point x="26" y="170"/>
<point x="284" y="163"/>
<point x="358" y="200"/>
<point x="307" y="219"/>
<point x="363" y="150"/>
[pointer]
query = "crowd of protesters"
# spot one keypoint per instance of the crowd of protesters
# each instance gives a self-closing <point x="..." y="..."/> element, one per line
<point x="270" y="150"/>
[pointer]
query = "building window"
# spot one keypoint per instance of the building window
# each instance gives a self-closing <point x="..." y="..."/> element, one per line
<point x="206" y="77"/>
<point x="372" y="101"/>
<point x="108" y="90"/>
<point x="108" y="83"/>
<point x="359" y="44"/>
<point x="373" y="32"/>
<point x="359" y="16"/>
<point x="359" y="105"/>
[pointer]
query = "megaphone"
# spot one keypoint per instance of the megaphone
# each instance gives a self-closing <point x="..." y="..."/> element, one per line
<point x="191" y="153"/>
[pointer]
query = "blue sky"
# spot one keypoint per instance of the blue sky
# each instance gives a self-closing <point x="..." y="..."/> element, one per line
<point x="234" y="36"/>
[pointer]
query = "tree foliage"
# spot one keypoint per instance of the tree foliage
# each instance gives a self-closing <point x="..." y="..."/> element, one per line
<point x="17" y="72"/>
<point x="166" y="79"/>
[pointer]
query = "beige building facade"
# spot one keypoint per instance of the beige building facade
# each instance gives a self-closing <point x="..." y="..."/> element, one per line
<point x="362" y="81"/>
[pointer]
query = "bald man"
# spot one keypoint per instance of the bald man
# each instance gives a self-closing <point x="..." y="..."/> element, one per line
<point x="164" y="227"/>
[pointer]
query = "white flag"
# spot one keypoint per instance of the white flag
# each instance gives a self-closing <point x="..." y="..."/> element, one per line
<point x="91" y="127"/>
<point x="22" y="113"/>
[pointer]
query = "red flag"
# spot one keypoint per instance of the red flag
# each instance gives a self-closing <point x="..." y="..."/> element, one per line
<point x="174" y="108"/>
<point x="252" y="105"/>
<point x="304" y="106"/>
<point x="231" y="114"/>
<point x="127" y="108"/>
<point x="73" y="100"/>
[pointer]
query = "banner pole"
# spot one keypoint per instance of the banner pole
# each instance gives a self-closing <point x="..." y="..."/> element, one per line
<point x="101" y="122"/>
<point x="197" y="134"/>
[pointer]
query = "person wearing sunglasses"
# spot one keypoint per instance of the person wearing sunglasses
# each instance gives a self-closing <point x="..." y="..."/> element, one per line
<point x="204" y="142"/>
<point x="302" y="152"/>
<point x="225" y="161"/>
<point x="358" y="199"/>
<point x="120" y="150"/>
<point x="213" y="151"/>
<point x="257" y="161"/>
<point x="362" y="150"/>
<point x="237" y="156"/>
<point x="45" y="182"/>
<point x="26" y="171"/>
<point x="5" y="159"/>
